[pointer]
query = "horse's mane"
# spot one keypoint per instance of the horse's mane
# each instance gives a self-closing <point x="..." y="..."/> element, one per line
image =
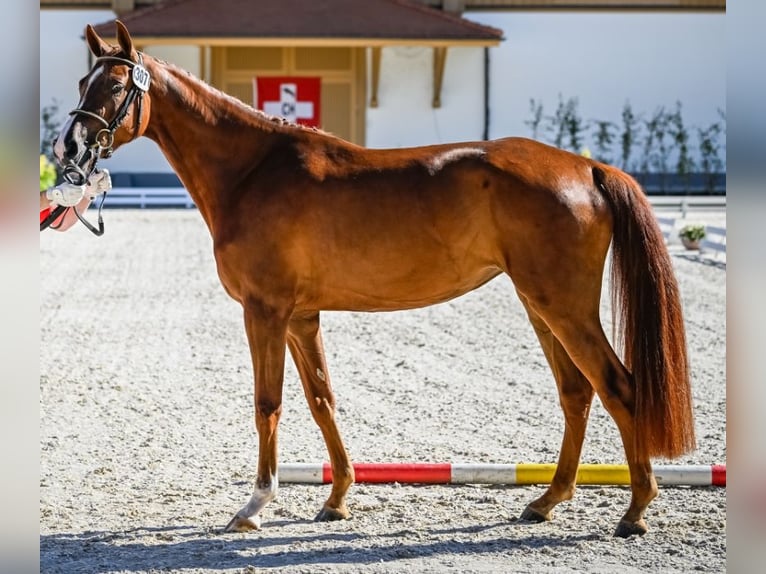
<point x="248" y="111"/>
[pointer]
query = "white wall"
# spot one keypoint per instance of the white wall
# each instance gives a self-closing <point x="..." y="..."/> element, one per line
<point x="64" y="60"/>
<point x="404" y="116"/>
<point x="604" y="60"/>
<point x="64" y="54"/>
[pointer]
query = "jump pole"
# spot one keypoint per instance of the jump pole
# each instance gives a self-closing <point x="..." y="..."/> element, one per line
<point x="511" y="474"/>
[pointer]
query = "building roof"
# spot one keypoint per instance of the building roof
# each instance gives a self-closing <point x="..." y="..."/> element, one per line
<point x="350" y="22"/>
<point x="715" y="5"/>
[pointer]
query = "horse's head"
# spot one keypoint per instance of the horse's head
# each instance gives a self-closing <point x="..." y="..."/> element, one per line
<point x="114" y="106"/>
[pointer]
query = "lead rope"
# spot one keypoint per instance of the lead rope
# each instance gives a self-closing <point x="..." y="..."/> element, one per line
<point x="60" y="210"/>
<point x="92" y="228"/>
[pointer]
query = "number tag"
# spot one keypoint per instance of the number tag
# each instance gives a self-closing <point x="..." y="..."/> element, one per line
<point x="141" y="77"/>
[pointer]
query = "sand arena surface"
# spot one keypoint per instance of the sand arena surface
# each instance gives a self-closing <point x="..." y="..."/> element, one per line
<point x="148" y="445"/>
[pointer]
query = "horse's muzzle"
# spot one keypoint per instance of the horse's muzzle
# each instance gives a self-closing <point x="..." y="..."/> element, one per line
<point x="75" y="174"/>
<point x="77" y="164"/>
<point x="73" y="154"/>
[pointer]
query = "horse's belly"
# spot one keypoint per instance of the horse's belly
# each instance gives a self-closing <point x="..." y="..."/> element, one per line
<point x="368" y="287"/>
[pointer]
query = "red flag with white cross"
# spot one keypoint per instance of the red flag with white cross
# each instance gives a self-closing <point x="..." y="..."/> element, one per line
<point x="295" y="98"/>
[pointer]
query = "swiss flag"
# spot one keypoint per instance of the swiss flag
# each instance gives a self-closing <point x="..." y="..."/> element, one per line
<point x="295" y="98"/>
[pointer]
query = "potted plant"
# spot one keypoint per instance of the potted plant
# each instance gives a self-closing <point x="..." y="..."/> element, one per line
<point x="691" y="235"/>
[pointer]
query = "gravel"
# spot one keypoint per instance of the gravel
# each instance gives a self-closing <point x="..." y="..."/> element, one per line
<point x="148" y="445"/>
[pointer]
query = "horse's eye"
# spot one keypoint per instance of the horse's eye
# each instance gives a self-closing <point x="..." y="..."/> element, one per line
<point x="117" y="88"/>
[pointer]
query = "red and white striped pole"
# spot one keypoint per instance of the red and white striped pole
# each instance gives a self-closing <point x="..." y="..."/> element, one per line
<point x="518" y="474"/>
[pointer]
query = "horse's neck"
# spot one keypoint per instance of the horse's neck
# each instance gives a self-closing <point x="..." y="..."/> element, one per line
<point x="203" y="133"/>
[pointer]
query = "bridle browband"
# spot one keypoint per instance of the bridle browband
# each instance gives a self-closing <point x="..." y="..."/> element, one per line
<point x="104" y="139"/>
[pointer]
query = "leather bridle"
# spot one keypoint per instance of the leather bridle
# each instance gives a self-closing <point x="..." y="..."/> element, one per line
<point x="103" y="143"/>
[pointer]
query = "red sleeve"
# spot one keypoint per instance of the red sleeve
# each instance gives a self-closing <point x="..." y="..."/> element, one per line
<point x="44" y="213"/>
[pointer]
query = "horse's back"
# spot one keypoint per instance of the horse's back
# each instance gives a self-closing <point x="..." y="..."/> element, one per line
<point x="521" y="181"/>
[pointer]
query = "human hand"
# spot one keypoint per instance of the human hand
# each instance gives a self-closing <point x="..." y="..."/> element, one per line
<point x="100" y="182"/>
<point x="65" y="194"/>
<point x="69" y="218"/>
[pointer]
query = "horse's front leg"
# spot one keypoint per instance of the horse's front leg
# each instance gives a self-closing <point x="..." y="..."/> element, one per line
<point x="266" y="328"/>
<point x="304" y="339"/>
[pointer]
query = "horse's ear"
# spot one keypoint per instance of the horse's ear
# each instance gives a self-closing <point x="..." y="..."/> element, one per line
<point x="125" y="41"/>
<point x="95" y="43"/>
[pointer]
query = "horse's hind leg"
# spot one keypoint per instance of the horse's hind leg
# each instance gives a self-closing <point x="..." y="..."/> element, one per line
<point x="576" y="396"/>
<point x="584" y="341"/>
<point x="304" y="339"/>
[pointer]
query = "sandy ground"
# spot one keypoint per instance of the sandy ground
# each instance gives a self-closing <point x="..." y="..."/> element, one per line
<point x="148" y="446"/>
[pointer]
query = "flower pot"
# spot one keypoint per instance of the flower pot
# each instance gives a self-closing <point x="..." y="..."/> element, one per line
<point x="690" y="243"/>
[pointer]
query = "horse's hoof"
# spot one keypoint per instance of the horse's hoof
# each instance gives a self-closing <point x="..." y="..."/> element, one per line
<point x="328" y="514"/>
<point x="626" y="528"/>
<point x="243" y="524"/>
<point x="532" y="515"/>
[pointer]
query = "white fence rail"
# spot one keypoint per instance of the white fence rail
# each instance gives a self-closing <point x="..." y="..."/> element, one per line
<point x="714" y="240"/>
<point x="687" y="203"/>
<point x="667" y="226"/>
<point x="143" y="197"/>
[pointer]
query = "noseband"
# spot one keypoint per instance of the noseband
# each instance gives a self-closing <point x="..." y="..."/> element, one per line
<point x="104" y="139"/>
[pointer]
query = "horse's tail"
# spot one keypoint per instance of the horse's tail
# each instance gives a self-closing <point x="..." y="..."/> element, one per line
<point x="647" y="304"/>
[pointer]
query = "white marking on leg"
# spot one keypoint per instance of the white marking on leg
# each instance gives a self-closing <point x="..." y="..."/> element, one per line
<point x="261" y="497"/>
<point x="321" y="375"/>
<point x="438" y="162"/>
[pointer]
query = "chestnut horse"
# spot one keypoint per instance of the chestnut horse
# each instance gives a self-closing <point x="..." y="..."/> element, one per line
<point x="303" y="221"/>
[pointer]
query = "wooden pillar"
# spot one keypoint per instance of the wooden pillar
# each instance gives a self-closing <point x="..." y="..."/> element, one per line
<point x="440" y="57"/>
<point x="121" y="7"/>
<point x="203" y="64"/>
<point x="376" y="52"/>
